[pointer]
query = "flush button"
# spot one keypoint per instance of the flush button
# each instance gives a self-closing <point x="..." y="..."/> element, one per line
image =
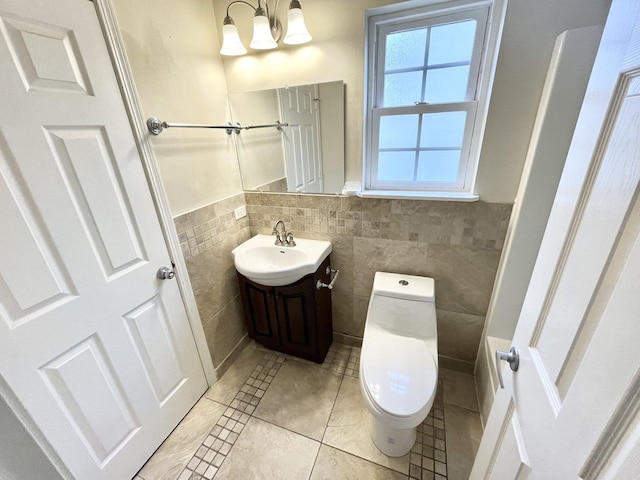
<point x="404" y="283"/>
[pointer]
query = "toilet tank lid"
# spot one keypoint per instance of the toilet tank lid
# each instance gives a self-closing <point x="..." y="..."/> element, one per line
<point x="410" y="287"/>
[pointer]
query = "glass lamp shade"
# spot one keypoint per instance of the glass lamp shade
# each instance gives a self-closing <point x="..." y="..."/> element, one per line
<point x="231" y="44"/>
<point x="262" y="38"/>
<point x="297" y="32"/>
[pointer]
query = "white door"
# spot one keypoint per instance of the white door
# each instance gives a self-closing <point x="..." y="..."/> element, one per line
<point x="303" y="157"/>
<point x="96" y="349"/>
<point x="572" y="408"/>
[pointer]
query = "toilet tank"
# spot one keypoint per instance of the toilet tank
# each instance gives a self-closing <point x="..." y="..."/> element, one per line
<point x="410" y="287"/>
<point x="403" y="304"/>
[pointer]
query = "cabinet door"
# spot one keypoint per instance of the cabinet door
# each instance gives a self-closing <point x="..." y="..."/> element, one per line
<point x="297" y="318"/>
<point x="259" y="312"/>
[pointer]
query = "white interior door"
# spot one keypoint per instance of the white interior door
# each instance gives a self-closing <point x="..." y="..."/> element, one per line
<point x="571" y="410"/>
<point x="95" y="348"/>
<point x="303" y="157"/>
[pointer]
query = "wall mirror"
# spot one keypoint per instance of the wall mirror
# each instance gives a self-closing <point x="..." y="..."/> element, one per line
<point x="306" y="155"/>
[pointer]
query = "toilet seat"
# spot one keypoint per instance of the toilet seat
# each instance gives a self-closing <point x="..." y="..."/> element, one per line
<point x="399" y="373"/>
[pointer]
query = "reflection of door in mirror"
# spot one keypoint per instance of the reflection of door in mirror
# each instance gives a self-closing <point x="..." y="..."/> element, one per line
<point x="262" y="152"/>
<point x="299" y="108"/>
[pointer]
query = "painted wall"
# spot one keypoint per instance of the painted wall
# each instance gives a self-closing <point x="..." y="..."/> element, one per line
<point x="172" y="47"/>
<point x="337" y="52"/>
<point x="530" y="31"/>
<point x="20" y="456"/>
<point x="260" y="151"/>
<point x="333" y="135"/>
<point x="180" y="76"/>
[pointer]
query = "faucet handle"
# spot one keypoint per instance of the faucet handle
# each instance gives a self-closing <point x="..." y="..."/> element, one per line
<point x="290" y="242"/>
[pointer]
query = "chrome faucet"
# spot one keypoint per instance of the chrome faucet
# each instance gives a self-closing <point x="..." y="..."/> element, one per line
<point x="282" y="237"/>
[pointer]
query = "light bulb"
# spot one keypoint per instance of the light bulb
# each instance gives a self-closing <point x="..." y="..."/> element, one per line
<point x="262" y="38"/>
<point x="231" y="43"/>
<point x="297" y="32"/>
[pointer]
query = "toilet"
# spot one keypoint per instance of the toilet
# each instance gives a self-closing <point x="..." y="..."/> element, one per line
<point x="399" y="359"/>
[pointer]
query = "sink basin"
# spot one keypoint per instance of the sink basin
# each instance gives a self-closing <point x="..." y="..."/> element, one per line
<point x="262" y="262"/>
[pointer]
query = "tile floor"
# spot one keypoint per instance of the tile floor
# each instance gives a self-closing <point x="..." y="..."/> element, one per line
<point x="274" y="416"/>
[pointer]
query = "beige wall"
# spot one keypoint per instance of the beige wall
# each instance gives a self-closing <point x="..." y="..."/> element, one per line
<point x="260" y="151"/>
<point x="20" y="456"/>
<point x="337" y="52"/>
<point x="172" y="47"/>
<point x="332" y="136"/>
<point x="530" y="31"/>
<point x="180" y="76"/>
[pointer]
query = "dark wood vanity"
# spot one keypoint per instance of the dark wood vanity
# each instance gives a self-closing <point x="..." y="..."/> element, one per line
<point x="295" y="319"/>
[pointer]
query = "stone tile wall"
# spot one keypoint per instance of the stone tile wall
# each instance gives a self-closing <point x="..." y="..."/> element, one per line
<point x="458" y="244"/>
<point x="207" y="236"/>
<point x="275" y="186"/>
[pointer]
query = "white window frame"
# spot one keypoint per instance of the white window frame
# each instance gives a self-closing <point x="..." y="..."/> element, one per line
<point x="385" y="20"/>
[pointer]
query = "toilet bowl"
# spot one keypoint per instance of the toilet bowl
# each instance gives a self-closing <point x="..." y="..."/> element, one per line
<point x="399" y="359"/>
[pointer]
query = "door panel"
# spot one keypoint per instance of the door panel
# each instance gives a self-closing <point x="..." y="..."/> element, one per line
<point x="97" y="350"/>
<point x="296" y="316"/>
<point x="86" y="164"/>
<point x="45" y="55"/>
<point x="150" y="332"/>
<point x="32" y="277"/>
<point x="100" y="415"/>
<point x="303" y="157"/>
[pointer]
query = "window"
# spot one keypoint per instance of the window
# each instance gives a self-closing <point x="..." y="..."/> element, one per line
<point x="426" y="101"/>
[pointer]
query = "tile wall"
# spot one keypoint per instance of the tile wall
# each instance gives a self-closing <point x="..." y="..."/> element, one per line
<point x="458" y="244"/>
<point x="207" y="236"/>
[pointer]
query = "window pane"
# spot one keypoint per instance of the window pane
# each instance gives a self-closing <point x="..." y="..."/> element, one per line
<point x="398" y="131"/>
<point x="396" y="166"/>
<point x="405" y="49"/>
<point x="444" y="129"/>
<point x="452" y="43"/>
<point x="447" y="85"/>
<point x="438" y="166"/>
<point x="402" y="88"/>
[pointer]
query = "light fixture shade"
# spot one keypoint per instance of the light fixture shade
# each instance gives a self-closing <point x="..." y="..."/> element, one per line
<point x="262" y="38"/>
<point x="231" y="43"/>
<point x="297" y="32"/>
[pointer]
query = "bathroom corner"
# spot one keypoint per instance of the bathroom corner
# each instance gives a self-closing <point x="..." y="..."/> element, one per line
<point x="207" y="236"/>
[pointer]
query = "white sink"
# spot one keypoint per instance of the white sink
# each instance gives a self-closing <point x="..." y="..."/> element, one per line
<point x="263" y="262"/>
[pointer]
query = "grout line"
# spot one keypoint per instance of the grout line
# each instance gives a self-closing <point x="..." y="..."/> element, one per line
<point x="203" y="397"/>
<point x="332" y="408"/>
<point x="461" y="408"/>
<point x="210" y="455"/>
<point x="220" y="440"/>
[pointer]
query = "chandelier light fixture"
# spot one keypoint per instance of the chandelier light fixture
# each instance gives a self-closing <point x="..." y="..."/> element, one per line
<point x="267" y="29"/>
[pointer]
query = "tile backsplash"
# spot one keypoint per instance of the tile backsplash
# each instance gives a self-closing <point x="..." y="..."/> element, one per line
<point x="207" y="236"/>
<point x="458" y="244"/>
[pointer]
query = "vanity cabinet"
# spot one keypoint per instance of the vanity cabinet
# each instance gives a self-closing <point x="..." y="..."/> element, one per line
<point x="294" y="319"/>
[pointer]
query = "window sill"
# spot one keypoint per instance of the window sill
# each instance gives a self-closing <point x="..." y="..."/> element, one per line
<point x="411" y="195"/>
